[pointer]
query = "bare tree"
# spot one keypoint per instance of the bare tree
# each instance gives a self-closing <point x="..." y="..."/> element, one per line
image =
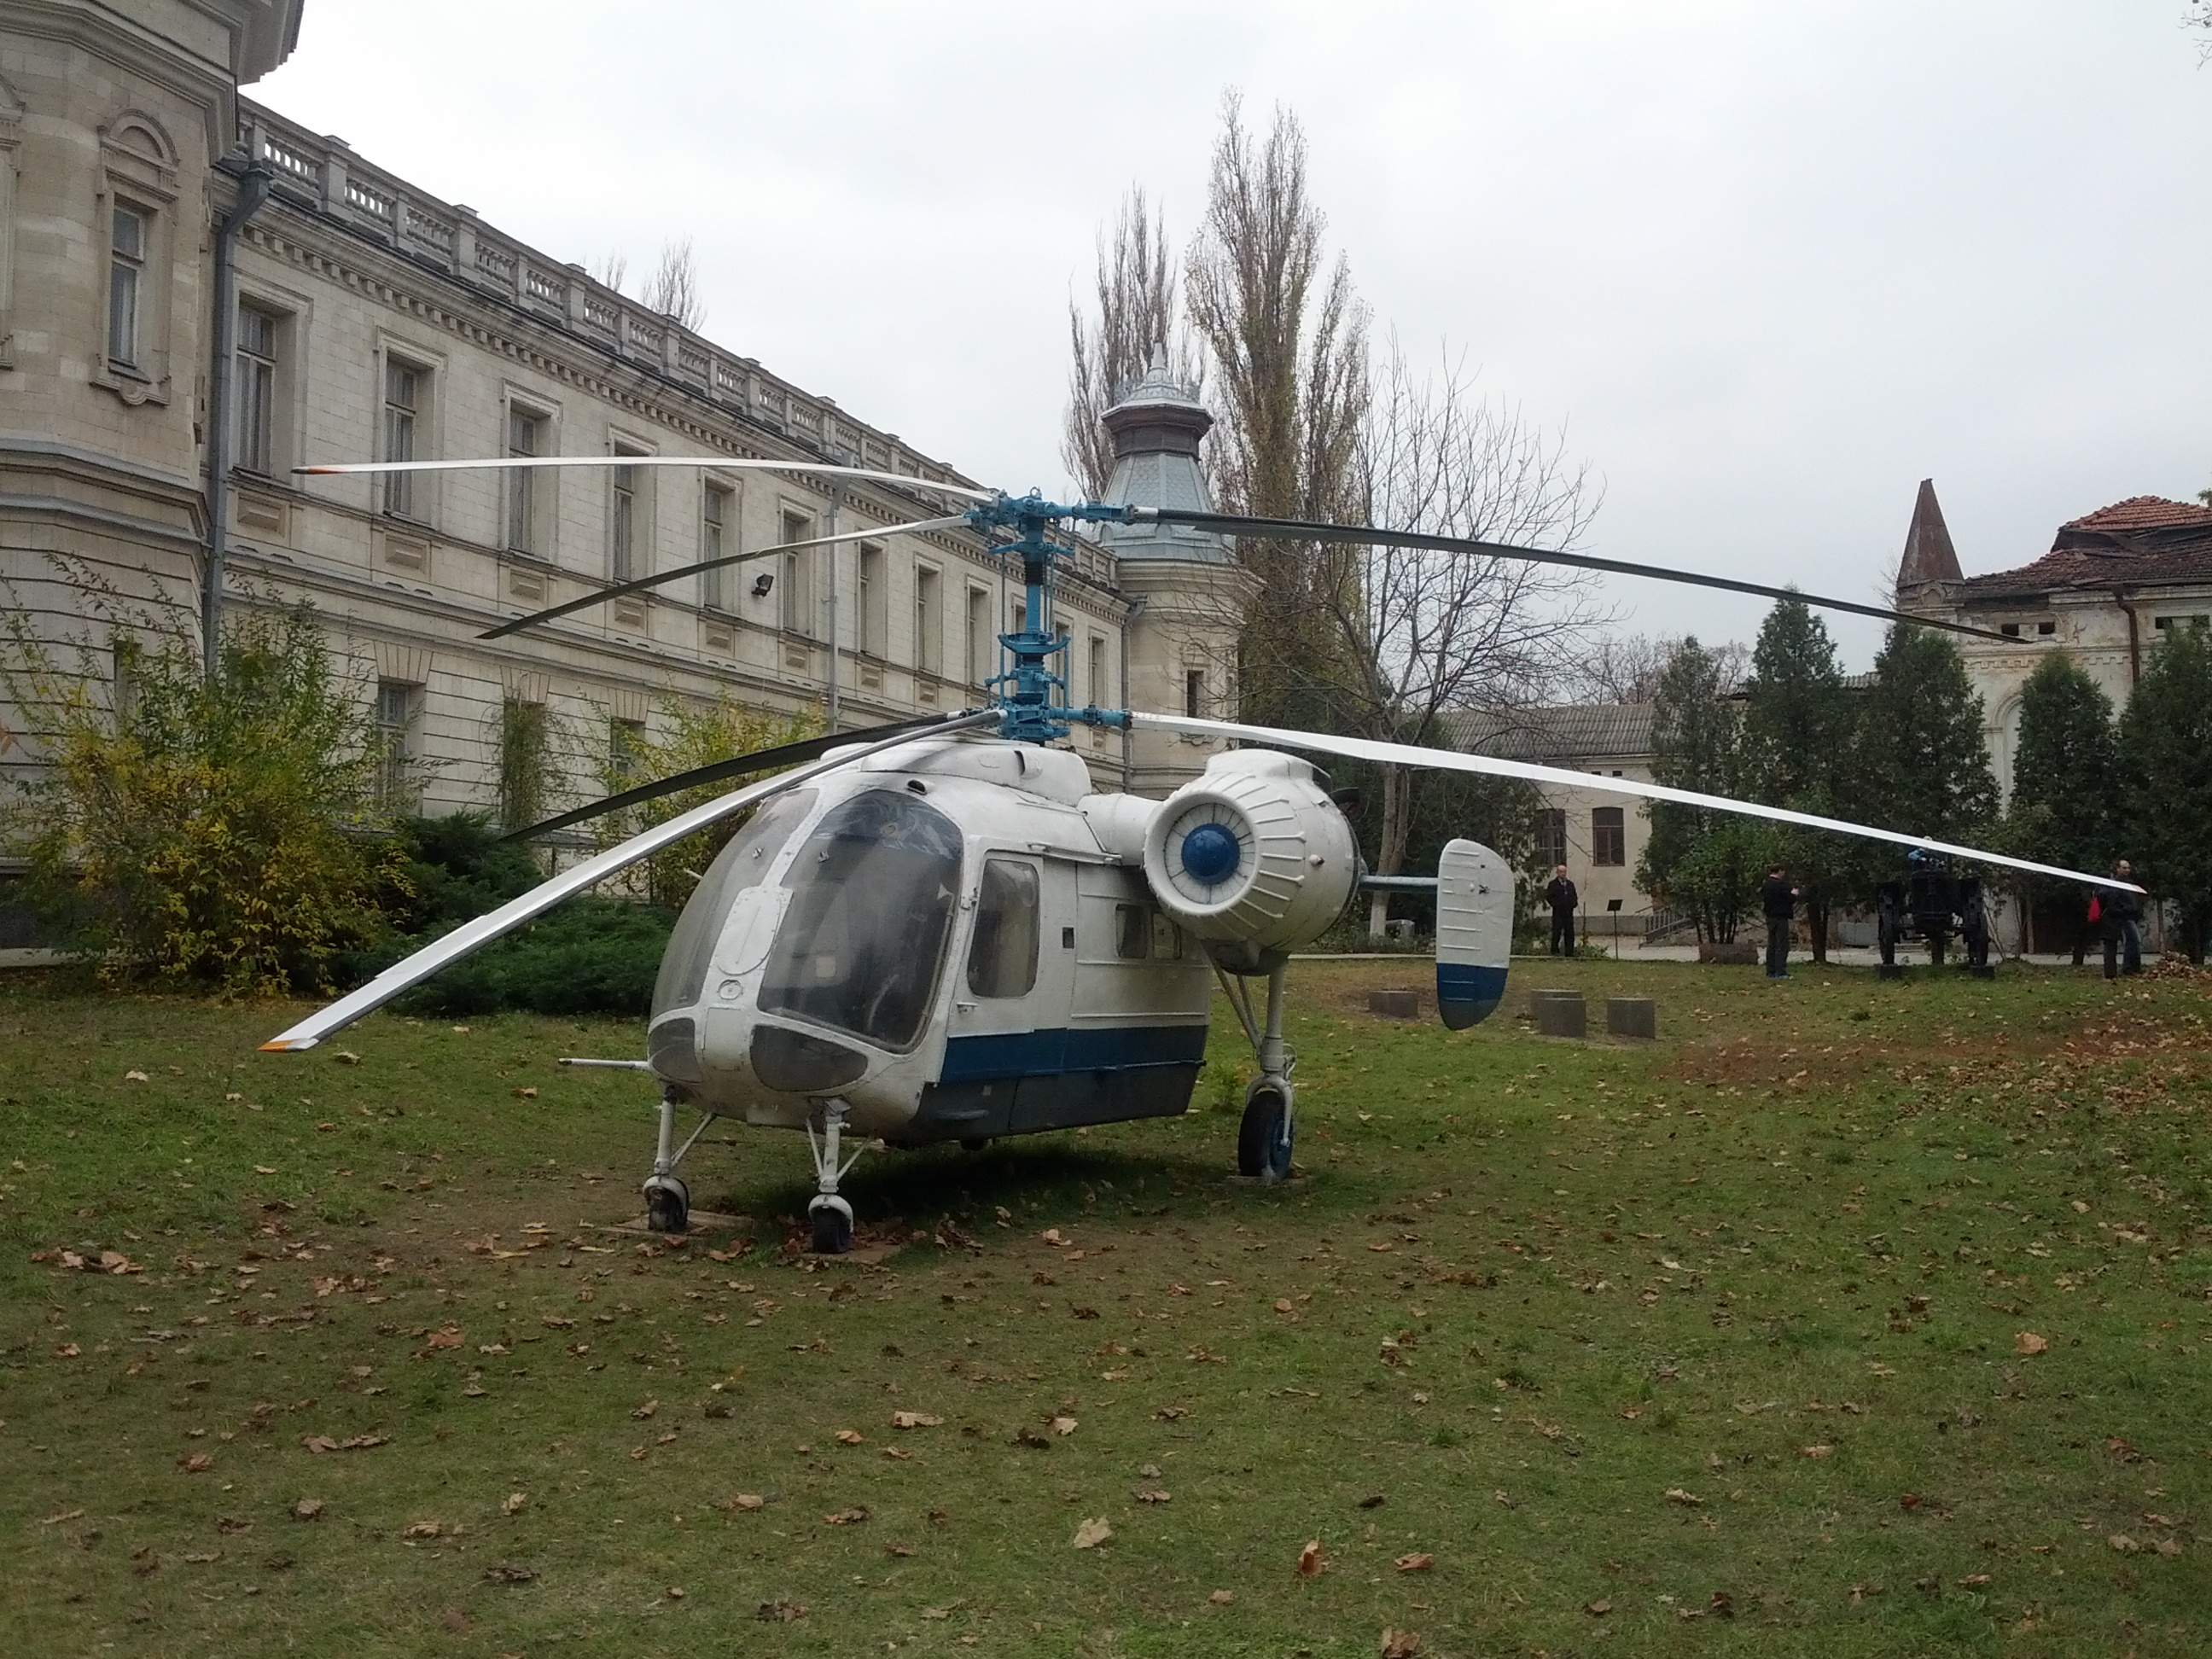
<point x="1625" y="667"/>
<point x="673" y="289"/>
<point x="1286" y="339"/>
<point x="1135" y="296"/>
<point x="612" y="267"/>
<point x="1428" y="634"/>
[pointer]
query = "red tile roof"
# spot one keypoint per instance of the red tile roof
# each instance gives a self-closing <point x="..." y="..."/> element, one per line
<point x="2143" y="542"/>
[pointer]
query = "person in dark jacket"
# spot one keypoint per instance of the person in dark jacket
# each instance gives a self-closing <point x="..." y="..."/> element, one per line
<point x="2121" y="919"/>
<point x="1780" y="900"/>
<point x="1563" y="899"/>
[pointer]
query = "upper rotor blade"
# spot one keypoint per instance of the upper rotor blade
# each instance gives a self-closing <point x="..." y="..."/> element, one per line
<point x="720" y="463"/>
<point x="1299" y="529"/>
<point x="601" y="596"/>
<point x="1451" y="760"/>
<point x="761" y="760"/>
<point x="471" y="936"/>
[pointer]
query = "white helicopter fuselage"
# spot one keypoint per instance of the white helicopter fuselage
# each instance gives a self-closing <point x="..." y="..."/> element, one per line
<point x="955" y="937"/>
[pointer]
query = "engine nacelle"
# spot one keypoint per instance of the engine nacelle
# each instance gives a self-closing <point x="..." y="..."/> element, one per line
<point x="1252" y="858"/>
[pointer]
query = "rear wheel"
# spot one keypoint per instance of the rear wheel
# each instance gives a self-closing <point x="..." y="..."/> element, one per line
<point x="1263" y="1140"/>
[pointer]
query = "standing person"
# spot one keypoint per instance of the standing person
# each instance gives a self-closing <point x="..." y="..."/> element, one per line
<point x="2121" y="919"/>
<point x="1563" y="899"/>
<point x="1780" y="899"/>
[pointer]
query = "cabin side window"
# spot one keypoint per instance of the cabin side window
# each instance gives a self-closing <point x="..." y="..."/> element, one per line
<point x="1003" y="960"/>
<point x="1132" y="933"/>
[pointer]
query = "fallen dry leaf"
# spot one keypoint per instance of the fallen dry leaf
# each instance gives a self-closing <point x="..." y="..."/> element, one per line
<point x="1311" y="1560"/>
<point x="1091" y="1534"/>
<point x="1399" y="1644"/>
<point x="851" y="1517"/>
<point x="646" y="1410"/>
<point x="1597" y="1609"/>
<point x="2029" y="1342"/>
<point x="506" y="1572"/>
<point x="1908" y="1500"/>
<point x="1285" y="1305"/>
<point x="1420" y="1561"/>
<point x="424" y="1529"/>
<point x="1064" y="1425"/>
<point x="1052" y="1236"/>
<point x="2123" y="1543"/>
<point x="1687" y="1499"/>
<point x="1974" y="1580"/>
<point x="915" y="1420"/>
<point x="778" y="1613"/>
<point x="198" y="1463"/>
<point x="307" y="1509"/>
<point x="513" y="1502"/>
<point x="66" y="1351"/>
<point x="850" y="1437"/>
<point x="749" y="1500"/>
<point x="447" y="1337"/>
<point x="1816" y="1451"/>
<point x="135" y="1077"/>
<point x="1222" y="1598"/>
<point x="1153" y="1495"/>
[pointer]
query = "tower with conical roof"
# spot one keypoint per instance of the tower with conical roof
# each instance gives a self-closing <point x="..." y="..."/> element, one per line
<point x="1929" y="563"/>
<point x="1187" y="594"/>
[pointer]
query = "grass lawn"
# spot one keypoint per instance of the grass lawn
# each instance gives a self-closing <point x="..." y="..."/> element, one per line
<point x="1848" y="1318"/>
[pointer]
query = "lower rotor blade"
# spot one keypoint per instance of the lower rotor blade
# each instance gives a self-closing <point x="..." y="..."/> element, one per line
<point x="601" y="596"/>
<point x="1451" y="760"/>
<point x="761" y="760"/>
<point x="473" y="936"/>
<point x="720" y="463"/>
<point x="1299" y="531"/>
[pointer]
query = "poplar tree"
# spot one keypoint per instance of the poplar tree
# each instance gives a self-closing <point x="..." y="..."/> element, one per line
<point x="1797" y="729"/>
<point x="2065" y="772"/>
<point x="2165" y="752"/>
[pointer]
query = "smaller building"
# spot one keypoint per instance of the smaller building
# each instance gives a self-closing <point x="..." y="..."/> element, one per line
<point x="1600" y="836"/>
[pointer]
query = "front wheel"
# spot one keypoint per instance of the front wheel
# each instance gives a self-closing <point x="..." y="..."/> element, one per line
<point x="1263" y="1140"/>
<point x="667" y="1204"/>
<point x="829" y="1220"/>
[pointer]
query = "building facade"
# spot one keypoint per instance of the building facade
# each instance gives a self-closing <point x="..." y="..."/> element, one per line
<point x="373" y="321"/>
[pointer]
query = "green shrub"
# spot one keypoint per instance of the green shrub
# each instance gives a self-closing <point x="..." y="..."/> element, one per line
<point x="589" y="955"/>
<point x="197" y="830"/>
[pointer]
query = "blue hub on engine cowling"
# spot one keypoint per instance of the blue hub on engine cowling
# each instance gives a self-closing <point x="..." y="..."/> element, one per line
<point x="1210" y="853"/>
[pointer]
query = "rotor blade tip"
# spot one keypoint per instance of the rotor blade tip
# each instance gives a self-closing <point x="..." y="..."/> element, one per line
<point x="287" y="1045"/>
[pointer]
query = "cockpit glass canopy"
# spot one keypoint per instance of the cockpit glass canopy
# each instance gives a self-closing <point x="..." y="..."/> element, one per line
<point x="872" y="895"/>
<point x="744" y="859"/>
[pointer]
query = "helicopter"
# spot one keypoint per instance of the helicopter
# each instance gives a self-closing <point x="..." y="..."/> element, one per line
<point x="939" y="930"/>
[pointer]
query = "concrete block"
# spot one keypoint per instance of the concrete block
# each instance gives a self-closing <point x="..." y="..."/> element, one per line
<point x="1632" y="1017"/>
<point x="1561" y="1015"/>
<point x="1395" y="1005"/>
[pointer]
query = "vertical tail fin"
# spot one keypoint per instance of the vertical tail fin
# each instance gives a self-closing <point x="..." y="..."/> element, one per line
<point x="1474" y="932"/>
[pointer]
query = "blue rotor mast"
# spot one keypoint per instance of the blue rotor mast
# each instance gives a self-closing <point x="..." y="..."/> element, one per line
<point x="1032" y="695"/>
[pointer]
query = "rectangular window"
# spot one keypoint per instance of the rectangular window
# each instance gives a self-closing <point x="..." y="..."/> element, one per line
<point x="872" y="625"/>
<point x="622" y="524"/>
<point x="404" y="386"/>
<point x="715" y="517"/>
<point x="980" y="657"/>
<point x="928" y="624"/>
<point x="2166" y="624"/>
<point x="1552" y="836"/>
<point x="1098" y="692"/>
<point x="1002" y="962"/>
<point x="1609" y="838"/>
<point x="798" y="614"/>
<point x="257" y="391"/>
<point x="625" y="750"/>
<point x="396" y="706"/>
<point x="526" y="437"/>
<point x="1132" y="933"/>
<point x="1194" y="693"/>
<point x="126" y="278"/>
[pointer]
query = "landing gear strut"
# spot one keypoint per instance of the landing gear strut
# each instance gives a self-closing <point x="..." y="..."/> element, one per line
<point x="667" y="1199"/>
<point x="1264" y="1138"/>
<point x="829" y="1217"/>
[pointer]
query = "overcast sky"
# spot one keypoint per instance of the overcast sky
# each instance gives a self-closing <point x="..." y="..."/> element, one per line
<point x="1770" y="265"/>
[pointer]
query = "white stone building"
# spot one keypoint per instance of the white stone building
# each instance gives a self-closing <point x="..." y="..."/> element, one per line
<point x="376" y="322"/>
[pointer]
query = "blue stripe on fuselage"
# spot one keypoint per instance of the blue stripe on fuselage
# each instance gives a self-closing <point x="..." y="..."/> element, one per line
<point x="1044" y="1054"/>
<point x="1467" y="992"/>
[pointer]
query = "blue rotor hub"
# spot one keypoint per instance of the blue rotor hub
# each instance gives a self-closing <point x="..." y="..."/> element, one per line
<point x="1211" y="854"/>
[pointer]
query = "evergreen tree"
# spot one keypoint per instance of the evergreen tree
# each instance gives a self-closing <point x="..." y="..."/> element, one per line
<point x="2165" y="750"/>
<point x="2065" y="772"/>
<point x="1919" y="762"/>
<point x="1698" y="860"/>
<point x="1796" y="727"/>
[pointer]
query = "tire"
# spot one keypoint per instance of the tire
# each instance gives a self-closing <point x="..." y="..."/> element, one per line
<point x="832" y="1229"/>
<point x="667" y="1204"/>
<point x="1263" y="1140"/>
<point x="976" y="1144"/>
